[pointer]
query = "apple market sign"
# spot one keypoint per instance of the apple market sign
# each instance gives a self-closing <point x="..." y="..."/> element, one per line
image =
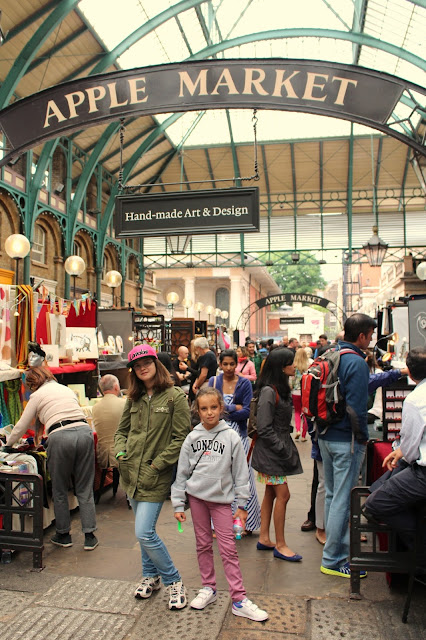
<point x="337" y="90"/>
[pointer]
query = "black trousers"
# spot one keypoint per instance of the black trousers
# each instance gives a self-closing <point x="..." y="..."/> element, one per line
<point x="397" y="501"/>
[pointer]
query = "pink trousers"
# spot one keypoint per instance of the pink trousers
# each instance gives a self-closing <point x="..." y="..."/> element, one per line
<point x="299" y="420"/>
<point x="221" y="515"/>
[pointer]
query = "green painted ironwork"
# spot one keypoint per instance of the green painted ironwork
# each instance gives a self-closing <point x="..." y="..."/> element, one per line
<point x="29" y="51"/>
<point x="142" y="31"/>
<point x="357" y="38"/>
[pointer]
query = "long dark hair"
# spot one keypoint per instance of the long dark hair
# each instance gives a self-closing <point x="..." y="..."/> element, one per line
<point x="272" y="374"/>
<point x="228" y="353"/>
<point x="162" y="381"/>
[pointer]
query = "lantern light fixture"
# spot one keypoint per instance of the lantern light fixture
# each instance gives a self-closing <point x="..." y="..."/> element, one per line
<point x="17" y="246"/>
<point x="187" y="303"/>
<point x="421" y="271"/>
<point x="375" y="249"/>
<point x="113" y="279"/>
<point x="172" y="299"/>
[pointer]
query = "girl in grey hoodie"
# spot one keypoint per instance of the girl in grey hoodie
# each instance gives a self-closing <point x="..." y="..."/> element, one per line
<point x="212" y="471"/>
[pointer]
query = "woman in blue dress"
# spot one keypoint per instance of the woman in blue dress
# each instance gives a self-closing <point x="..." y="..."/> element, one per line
<point x="237" y="393"/>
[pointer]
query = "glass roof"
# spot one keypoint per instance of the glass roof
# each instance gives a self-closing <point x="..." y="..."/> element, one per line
<point x="306" y="29"/>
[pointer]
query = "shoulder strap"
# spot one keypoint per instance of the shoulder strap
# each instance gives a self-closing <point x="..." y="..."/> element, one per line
<point x="343" y="351"/>
<point x="193" y="468"/>
<point x="214" y="382"/>
<point x="242" y="368"/>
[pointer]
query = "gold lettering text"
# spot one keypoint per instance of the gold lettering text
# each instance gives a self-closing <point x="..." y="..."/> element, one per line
<point x="135" y="90"/>
<point x="311" y="85"/>
<point x="255" y="82"/>
<point x="225" y="80"/>
<point x="74" y="100"/>
<point x="185" y="81"/>
<point x="344" y="82"/>
<point x="280" y="82"/>
<point x="94" y="94"/>
<point x="53" y="111"/>
<point x="112" y="88"/>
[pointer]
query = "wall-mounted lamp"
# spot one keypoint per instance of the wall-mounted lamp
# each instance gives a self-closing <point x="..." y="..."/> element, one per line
<point x="224" y="315"/>
<point x="113" y="279"/>
<point x="172" y="299"/>
<point x="74" y="266"/>
<point x="17" y="246"/>
<point x="199" y="306"/>
<point x="187" y="303"/>
<point x="295" y="257"/>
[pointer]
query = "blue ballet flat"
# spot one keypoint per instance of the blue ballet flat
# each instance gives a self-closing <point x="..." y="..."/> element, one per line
<point x="264" y="547"/>
<point x="295" y="558"/>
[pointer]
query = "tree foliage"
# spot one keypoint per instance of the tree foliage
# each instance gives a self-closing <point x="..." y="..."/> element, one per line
<point x="303" y="277"/>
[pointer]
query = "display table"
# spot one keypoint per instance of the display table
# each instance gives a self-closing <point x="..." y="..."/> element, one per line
<point x="73" y="368"/>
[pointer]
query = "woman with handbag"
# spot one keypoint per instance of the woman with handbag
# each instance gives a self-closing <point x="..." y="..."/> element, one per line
<point x="245" y="366"/>
<point x="237" y="393"/>
<point x="148" y="440"/>
<point x="275" y="455"/>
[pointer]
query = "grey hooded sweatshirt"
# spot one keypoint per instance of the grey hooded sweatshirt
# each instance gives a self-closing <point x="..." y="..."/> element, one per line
<point x="221" y="474"/>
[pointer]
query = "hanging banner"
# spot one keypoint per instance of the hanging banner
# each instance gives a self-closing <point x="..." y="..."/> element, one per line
<point x="188" y="212"/>
<point x="311" y="86"/>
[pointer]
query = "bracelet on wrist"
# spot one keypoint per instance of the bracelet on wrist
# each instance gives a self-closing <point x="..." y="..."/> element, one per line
<point x="119" y="454"/>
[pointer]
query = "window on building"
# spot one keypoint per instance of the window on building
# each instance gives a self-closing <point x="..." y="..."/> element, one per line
<point x="222" y="301"/>
<point x="76" y="249"/>
<point x="38" y="252"/>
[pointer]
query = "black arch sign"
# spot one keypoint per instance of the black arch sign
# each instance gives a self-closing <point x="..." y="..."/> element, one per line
<point x="289" y="298"/>
<point x="342" y="91"/>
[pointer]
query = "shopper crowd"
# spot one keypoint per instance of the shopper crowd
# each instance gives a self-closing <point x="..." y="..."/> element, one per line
<point x="182" y="433"/>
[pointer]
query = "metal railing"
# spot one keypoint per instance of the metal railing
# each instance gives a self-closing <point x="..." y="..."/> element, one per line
<point x="21" y="514"/>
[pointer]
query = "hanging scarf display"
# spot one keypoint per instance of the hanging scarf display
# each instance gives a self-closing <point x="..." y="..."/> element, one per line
<point x="3" y="405"/>
<point x="5" y="333"/>
<point x="24" y="324"/>
<point x="13" y="400"/>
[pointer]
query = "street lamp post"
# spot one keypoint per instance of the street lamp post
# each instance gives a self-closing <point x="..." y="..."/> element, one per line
<point x="209" y="311"/>
<point x="172" y="299"/>
<point x="17" y="246"/>
<point x="74" y="266"/>
<point x="187" y="303"/>
<point x="199" y="306"/>
<point x="113" y="279"/>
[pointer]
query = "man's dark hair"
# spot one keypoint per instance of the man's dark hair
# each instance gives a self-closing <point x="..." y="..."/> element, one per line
<point x="270" y="342"/>
<point x="357" y="324"/>
<point x="250" y="342"/>
<point x="416" y="363"/>
<point x="323" y="336"/>
<point x="263" y="344"/>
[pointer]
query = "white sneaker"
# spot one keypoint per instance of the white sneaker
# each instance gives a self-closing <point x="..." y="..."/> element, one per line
<point x="205" y="596"/>
<point x="247" y="609"/>
<point x="147" y="586"/>
<point x="177" y="595"/>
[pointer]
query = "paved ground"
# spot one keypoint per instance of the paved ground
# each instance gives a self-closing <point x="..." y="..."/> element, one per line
<point x="89" y="595"/>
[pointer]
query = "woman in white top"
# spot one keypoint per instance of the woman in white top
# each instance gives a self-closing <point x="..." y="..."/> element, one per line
<point x="70" y="451"/>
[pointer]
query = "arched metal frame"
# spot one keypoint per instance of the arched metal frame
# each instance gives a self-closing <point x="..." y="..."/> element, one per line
<point x="304" y="298"/>
<point x="26" y="58"/>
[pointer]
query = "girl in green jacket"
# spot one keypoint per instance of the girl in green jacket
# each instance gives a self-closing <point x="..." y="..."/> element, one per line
<point x="148" y="440"/>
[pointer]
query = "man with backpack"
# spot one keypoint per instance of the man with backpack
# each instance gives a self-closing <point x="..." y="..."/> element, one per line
<point x="342" y="443"/>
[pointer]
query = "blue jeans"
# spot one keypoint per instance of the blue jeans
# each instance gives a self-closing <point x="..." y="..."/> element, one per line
<point x="341" y="473"/>
<point x="156" y="560"/>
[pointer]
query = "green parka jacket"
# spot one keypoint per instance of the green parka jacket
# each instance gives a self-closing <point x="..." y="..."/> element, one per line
<point x="151" y="431"/>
